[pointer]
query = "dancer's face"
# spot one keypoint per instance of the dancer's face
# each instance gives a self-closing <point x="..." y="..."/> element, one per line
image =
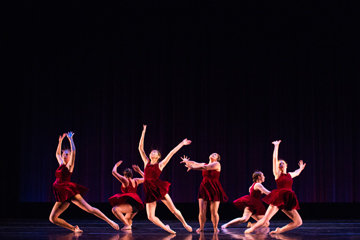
<point x="214" y="157"/>
<point x="66" y="156"/>
<point x="282" y="165"/>
<point x="154" y="155"/>
<point x="262" y="178"/>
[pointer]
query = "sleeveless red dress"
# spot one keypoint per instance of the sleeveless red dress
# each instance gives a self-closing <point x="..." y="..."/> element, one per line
<point x="154" y="188"/>
<point x="128" y="192"/>
<point x="252" y="201"/>
<point x="283" y="197"/>
<point x="210" y="187"/>
<point x="64" y="189"/>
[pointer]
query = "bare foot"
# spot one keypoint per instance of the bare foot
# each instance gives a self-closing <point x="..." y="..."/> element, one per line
<point x="188" y="227"/>
<point x="126" y="227"/>
<point x="224" y="226"/>
<point x="168" y="229"/>
<point x="114" y="225"/>
<point x="266" y="224"/>
<point x="276" y="231"/>
<point x="77" y="229"/>
<point x="249" y="225"/>
<point x="216" y="230"/>
<point x="199" y="230"/>
<point x="249" y="230"/>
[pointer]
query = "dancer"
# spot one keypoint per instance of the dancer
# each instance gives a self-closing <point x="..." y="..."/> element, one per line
<point x="66" y="191"/>
<point x="210" y="189"/>
<point x="251" y="204"/>
<point x="155" y="189"/>
<point x="283" y="197"/>
<point x="128" y="202"/>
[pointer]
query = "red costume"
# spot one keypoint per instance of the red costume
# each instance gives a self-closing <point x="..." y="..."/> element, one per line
<point x="128" y="193"/>
<point x="283" y="197"/>
<point x="210" y="187"/>
<point x="155" y="189"/>
<point x="251" y="201"/>
<point x="64" y="190"/>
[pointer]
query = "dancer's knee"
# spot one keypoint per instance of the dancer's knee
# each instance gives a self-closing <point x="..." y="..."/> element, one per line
<point x="298" y="222"/>
<point x="52" y="219"/>
<point x="114" y="209"/>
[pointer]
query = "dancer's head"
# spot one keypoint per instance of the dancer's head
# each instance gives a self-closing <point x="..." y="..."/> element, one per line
<point x="155" y="155"/>
<point x="282" y="165"/>
<point x="66" y="155"/>
<point x="128" y="173"/>
<point x="214" y="157"/>
<point x="258" y="177"/>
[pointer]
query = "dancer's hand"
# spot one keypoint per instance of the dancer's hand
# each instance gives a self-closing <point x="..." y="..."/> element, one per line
<point x="61" y="137"/>
<point x="136" y="168"/>
<point x="144" y="128"/>
<point x="276" y="142"/>
<point x="186" y="141"/>
<point x="302" y="165"/>
<point x="185" y="160"/>
<point x="70" y="134"/>
<point x="118" y="163"/>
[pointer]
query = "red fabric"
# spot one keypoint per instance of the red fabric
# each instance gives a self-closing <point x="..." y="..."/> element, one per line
<point x="154" y="188"/>
<point x="210" y="187"/>
<point x="283" y="197"/>
<point x="128" y="192"/>
<point x="252" y="201"/>
<point x="63" y="188"/>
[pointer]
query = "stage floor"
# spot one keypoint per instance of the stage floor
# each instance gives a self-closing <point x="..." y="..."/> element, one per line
<point x="96" y="229"/>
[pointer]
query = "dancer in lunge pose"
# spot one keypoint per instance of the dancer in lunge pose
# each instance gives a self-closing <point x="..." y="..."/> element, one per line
<point x="128" y="202"/>
<point x="283" y="197"/>
<point x="251" y="204"/>
<point x="155" y="189"/>
<point x="210" y="189"/>
<point x="66" y="191"/>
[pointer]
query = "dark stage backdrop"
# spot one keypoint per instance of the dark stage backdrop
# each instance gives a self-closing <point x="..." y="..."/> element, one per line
<point x="230" y="77"/>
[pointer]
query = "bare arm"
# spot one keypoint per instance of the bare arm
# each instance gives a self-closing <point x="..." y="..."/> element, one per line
<point x="118" y="176"/>
<point x="188" y="163"/>
<point x="212" y="166"/>
<point x="138" y="170"/>
<point x="163" y="163"/>
<point x="70" y="165"/>
<point x="141" y="147"/>
<point x="261" y="188"/>
<point x="275" y="159"/>
<point x="58" y="150"/>
<point x="299" y="170"/>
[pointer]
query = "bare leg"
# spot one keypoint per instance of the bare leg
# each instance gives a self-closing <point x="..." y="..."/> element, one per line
<point x="270" y="212"/>
<point x="245" y="217"/>
<point x="129" y="217"/>
<point x="150" y="210"/>
<point x="202" y="215"/>
<point x="170" y="205"/>
<point x="59" y="208"/>
<point x="214" y="207"/>
<point x="296" y="221"/>
<point x="257" y="218"/>
<point x="81" y="203"/>
<point x="119" y="211"/>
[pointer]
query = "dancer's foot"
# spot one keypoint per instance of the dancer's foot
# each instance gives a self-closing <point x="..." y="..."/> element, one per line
<point x="168" y="229"/>
<point x="114" y="225"/>
<point x="188" y="227"/>
<point x="249" y="225"/>
<point x="126" y="227"/>
<point x="250" y="230"/>
<point x="199" y="230"/>
<point x="224" y="226"/>
<point x="276" y="231"/>
<point x="266" y="224"/>
<point x="77" y="229"/>
<point x="216" y="230"/>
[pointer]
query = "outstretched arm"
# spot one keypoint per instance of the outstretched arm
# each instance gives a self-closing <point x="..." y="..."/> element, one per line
<point x="212" y="166"/>
<point x="261" y="188"/>
<point x="118" y="176"/>
<point x="141" y="147"/>
<point x="138" y="170"/>
<point x="189" y="163"/>
<point x="275" y="159"/>
<point x="58" y="150"/>
<point x="298" y="171"/>
<point x="70" y="165"/>
<point x="163" y="163"/>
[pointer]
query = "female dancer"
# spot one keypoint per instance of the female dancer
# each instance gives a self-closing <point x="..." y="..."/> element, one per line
<point x="155" y="189"/>
<point x="210" y="189"/>
<point x="283" y="197"/>
<point x="128" y="202"/>
<point x="66" y="191"/>
<point x="251" y="203"/>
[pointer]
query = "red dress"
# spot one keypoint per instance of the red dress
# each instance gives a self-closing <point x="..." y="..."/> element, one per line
<point x="283" y="197"/>
<point x="252" y="201"/>
<point x="210" y="187"/>
<point x="63" y="188"/>
<point x="128" y="192"/>
<point x="154" y="188"/>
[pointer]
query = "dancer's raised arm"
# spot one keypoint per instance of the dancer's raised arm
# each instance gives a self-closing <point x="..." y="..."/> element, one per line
<point x="58" y="150"/>
<point x="118" y="176"/>
<point x="299" y="170"/>
<point x="138" y="170"/>
<point x="163" y="163"/>
<point x="70" y="165"/>
<point x="276" y="170"/>
<point x="141" y="147"/>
